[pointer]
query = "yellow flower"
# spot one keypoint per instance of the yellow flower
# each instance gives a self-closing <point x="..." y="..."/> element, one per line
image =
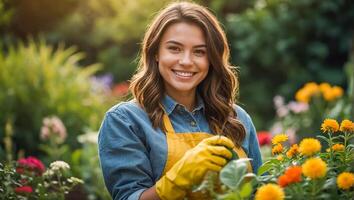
<point x="270" y="192"/>
<point x="337" y="91"/>
<point x="314" y="168"/>
<point x="294" y="149"/>
<point x="338" y="147"/>
<point x="330" y="125"/>
<point x="309" y="146"/>
<point x="324" y="87"/>
<point x="347" y="126"/>
<point x="345" y="180"/>
<point x="279" y="138"/>
<point x="277" y="149"/>
<point x="302" y="96"/>
<point x="280" y="157"/>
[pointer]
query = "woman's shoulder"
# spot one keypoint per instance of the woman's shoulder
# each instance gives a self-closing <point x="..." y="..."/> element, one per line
<point x="242" y="115"/>
<point x="126" y="108"/>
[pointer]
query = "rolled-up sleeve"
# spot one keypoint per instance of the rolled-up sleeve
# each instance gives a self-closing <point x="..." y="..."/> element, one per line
<point x="123" y="157"/>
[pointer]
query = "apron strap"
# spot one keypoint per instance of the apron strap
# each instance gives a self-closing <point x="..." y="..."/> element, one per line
<point x="167" y="123"/>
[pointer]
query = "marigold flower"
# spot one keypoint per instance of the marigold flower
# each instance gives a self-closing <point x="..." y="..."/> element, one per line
<point x="309" y="146"/>
<point x="324" y="87"/>
<point x="314" y="168"/>
<point x="277" y="149"/>
<point x="279" y="138"/>
<point x="302" y="96"/>
<point x="291" y="175"/>
<point x="330" y="125"/>
<point x="345" y="180"/>
<point x="270" y="192"/>
<point x="280" y="157"/>
<point x="337" y="91"/>
<point x="24" y="190"/>
<point x="294" y="174"/>
<point x="283" y="181"/>
<point x="338" y="147"/>
<point x="294" y="149"/>
<point x="347" y="126"/>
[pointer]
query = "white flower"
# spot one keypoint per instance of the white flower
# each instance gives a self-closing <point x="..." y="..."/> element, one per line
<point x="57" y="165"/>
<point x="90" y="137"/>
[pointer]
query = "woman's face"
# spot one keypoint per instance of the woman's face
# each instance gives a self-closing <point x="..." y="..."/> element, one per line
<point x="182" y="58"/>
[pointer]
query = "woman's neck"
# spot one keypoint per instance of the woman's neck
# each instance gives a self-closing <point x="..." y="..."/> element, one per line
<point x="188" y="100"/>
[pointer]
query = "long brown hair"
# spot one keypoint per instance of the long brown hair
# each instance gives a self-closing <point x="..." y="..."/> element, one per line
<point x="218" y="89"/>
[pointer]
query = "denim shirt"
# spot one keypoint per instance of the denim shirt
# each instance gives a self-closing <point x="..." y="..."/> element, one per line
<point x="133" y="154"/>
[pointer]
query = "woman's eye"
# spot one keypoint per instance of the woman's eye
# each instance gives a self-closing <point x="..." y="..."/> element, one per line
<point x="174" y="48"/>
<point x="199" y="52"/>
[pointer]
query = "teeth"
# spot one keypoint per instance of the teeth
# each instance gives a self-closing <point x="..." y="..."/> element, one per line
<point x="184" y="74"/>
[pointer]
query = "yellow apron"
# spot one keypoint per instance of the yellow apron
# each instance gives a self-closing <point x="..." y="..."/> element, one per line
<point x="178" y="144"/>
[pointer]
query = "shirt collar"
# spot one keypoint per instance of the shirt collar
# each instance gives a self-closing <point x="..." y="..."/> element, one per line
<point x="170" y="104"/>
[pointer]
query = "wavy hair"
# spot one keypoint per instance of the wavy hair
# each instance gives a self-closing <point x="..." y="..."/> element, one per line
<point x="218" y="89"/>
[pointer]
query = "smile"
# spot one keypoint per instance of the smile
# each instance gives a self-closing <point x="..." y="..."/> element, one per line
<point x="183" y="74"/>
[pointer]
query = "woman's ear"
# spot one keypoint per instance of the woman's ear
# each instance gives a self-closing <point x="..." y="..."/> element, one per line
<point x="156" y="58"/>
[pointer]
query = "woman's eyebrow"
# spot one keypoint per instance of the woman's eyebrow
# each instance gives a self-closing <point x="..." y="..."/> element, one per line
<point x="180" y="44"/>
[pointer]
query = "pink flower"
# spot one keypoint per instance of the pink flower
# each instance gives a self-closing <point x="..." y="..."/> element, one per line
<point x="24" y="190"/>
<point x="30" y="163"/>
<point x="298" y="107"/>
<point x="53" y="126"/>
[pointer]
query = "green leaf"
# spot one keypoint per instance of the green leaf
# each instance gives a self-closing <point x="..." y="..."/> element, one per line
<point x="246" y="190"/>
<point x="265" y="168"/>
<point x="232" y="174"/>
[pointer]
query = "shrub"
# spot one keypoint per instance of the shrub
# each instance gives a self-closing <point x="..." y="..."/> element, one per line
<point x="37" y="80"/>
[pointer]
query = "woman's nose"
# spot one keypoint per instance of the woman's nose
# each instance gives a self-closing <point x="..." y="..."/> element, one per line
<point x="186" y="58"/>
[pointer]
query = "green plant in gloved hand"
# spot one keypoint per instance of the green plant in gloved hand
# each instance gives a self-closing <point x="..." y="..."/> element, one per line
<point x="211" y="154"/>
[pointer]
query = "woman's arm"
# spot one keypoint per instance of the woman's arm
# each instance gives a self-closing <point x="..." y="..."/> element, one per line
<point x="149" y="194"/>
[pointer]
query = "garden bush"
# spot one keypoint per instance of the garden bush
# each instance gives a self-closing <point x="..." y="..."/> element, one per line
<point x="38" y="80"/>
<point x="281" y="44"/>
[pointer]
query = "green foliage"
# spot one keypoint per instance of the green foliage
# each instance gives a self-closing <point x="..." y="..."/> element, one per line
<point x="236" y="183"/>
<point x="281" y="44"/>
<point x="37" y="80"/>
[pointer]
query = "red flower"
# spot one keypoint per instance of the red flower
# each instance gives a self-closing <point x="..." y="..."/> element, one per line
<point x="264" y="137"/>
<point x="24" y="190"/>
<point x="30" y="163"/>
<point x="120" y="89"/>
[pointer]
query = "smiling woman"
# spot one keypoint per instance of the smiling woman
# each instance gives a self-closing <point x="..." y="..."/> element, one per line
<point x="182" y="61"/>
<point x="183" y="120"/>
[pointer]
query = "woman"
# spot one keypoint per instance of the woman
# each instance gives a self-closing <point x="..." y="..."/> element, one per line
<point x="182" y="121"/>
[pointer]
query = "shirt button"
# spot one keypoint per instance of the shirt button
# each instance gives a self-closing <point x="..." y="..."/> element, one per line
<point x="193" y="123"/>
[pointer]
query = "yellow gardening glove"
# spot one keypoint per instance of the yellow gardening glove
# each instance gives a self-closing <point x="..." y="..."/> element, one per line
<point x="210" y="154"/>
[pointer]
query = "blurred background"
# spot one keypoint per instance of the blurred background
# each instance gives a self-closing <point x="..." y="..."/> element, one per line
<point x="71" y="60"/>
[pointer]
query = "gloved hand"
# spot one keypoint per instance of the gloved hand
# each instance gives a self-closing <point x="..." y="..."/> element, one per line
<point x="210" y="154"/>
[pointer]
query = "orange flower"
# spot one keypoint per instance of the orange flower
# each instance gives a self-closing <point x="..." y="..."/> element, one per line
<point x="330" y="125"/>
<point x="283" y="181"/>
<point x="270" y="192"/>
<point x="277" y="149"/>
<point x="345" y="180"/>
<point x="338" y="147"/>
<point x="291" y="175"/>
<point x="294" y="174"/>
<point x="294" y="149"/>
<point x="347" y="126"/>
<point x="309" y="146"/>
